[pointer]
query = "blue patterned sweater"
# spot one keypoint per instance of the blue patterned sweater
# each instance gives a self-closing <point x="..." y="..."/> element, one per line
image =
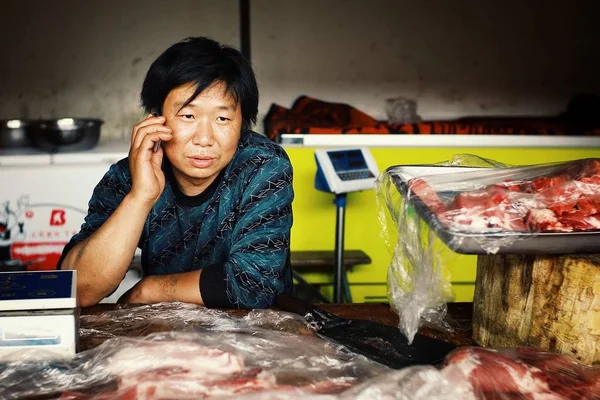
<point x="237" y="230"/>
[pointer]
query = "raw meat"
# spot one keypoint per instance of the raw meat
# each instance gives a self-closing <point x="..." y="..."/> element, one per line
<point x="541" y="219"/>
<point x="566" y="202"/>
<point x="422" y="189"/>
<point x="490" y="371"/>
<point x="525" y="373"/>
<point x="592" y="168"/>
<point x="578" y="221"/>
<point x="185" y="370"/>
<point x="485" y="210"/>
<point x="589" y="206"/>
<point x="181" y="385"/>
<point x="193" y="357"/>
<point x="540" y="184"/>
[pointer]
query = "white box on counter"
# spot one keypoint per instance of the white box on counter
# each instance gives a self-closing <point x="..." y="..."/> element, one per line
<point x="38" y="315"/>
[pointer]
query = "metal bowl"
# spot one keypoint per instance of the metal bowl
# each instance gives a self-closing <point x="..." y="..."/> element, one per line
<point x="16" y="133"/>
<point x="66" y="134"/>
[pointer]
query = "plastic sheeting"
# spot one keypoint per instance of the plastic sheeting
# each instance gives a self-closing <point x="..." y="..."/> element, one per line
<point x="211" y="354"/>
<point x="164" y="317"/>
<point x="217" y="355"/>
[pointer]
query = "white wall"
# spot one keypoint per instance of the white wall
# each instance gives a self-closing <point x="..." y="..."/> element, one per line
<point x="467" y="57"/>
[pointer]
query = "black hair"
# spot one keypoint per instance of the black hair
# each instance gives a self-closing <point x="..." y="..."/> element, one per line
<point x="201" y="61"/>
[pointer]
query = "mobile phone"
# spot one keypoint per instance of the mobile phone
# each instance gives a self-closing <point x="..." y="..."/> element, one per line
<point x="157" y="144"/>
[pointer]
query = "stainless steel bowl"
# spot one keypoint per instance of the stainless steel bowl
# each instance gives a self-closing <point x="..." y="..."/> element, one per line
<point x="66" y="134"/>
<point x="16" y="133"/>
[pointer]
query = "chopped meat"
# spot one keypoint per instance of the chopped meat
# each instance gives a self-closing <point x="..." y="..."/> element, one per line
<point x="425" y="192"/>
<point x="580" y="222"/>
<point x="478" y="211"/>
<point x="561" y="199"/>
<point x="591" y="168"/>
<point x="589" y="206"/>
<point x="562" y="203"/>
<point x="540" y="184"/>
<point x="476" y="199"/>
<point x="499" y="193"/>
<point x="591" y="180"/>
<point x="513" y="186"/>
<point x="477" y="220"/>
<point x="541" y="219"/>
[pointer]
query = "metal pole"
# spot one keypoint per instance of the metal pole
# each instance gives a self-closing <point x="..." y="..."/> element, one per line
<point x="244" y="8"/>
<point x="340" y="202"/>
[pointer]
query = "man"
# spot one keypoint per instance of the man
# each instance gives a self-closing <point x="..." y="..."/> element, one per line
<point x="207" y="200"/>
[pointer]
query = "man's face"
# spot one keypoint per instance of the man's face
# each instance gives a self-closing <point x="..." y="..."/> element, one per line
<point x="205" y="134"/>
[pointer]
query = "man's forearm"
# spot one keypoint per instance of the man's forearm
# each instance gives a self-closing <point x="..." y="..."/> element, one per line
<point x="183" y="287"/>
<point x="102" y="259"/>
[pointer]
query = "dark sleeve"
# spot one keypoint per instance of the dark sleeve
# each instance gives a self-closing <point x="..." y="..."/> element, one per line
<point x="255" y="271"/>
<point x="106" y="197"/>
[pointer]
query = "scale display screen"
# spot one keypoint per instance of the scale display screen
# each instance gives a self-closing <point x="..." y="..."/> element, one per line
<point x="351" y="160"/>
<point x="345" y="170"/>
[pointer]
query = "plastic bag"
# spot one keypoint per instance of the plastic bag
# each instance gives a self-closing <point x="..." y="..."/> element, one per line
<point x="429" y="212"/>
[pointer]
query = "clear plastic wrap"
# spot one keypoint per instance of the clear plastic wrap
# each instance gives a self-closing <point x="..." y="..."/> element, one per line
<point x="212" y="354"/>
<point x="136" y="321"/>
<point x="218" y="355"/>
<point x="477" y="206"/>
<point x="473" y="373"/>
<point x="199" y="365"/>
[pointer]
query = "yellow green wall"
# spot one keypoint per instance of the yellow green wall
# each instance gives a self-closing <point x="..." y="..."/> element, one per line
<point x="314" y="214"/>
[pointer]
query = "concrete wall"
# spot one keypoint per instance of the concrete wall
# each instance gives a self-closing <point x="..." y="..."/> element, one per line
<point x="76" y="58"/>
<point x="89" y="58"/>
<point x="455" y="57"/>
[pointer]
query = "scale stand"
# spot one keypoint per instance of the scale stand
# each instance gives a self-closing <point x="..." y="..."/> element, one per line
<point x="340" y="172"/>
<point x="340" y="277"/>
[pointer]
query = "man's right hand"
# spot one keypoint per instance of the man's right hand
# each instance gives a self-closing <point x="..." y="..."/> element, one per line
<point x="148" y="180"/>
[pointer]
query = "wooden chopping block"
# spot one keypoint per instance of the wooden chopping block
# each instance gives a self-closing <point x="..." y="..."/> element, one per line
<point x="548" y="302"/>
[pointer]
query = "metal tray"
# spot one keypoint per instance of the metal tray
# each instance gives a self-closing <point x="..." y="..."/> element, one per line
<point x="535" y="243"/>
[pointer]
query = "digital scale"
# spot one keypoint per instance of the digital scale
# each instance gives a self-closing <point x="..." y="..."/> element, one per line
<point x="38" y="313"/>
<point x="345" y="170"/>
<point x="341" y="171"/>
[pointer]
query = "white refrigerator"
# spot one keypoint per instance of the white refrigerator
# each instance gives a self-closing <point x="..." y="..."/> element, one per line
<point x="44" y="201"/>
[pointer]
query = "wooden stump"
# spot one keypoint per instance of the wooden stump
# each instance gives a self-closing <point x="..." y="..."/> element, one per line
<point x="547" y="302"/>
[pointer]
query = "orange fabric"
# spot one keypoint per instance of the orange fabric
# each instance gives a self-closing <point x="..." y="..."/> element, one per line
<point x="312" y="116"/>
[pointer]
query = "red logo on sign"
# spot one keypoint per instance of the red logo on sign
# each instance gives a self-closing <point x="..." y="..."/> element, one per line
<point x="29" y="214"/>
<point x="57" y="218"/>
